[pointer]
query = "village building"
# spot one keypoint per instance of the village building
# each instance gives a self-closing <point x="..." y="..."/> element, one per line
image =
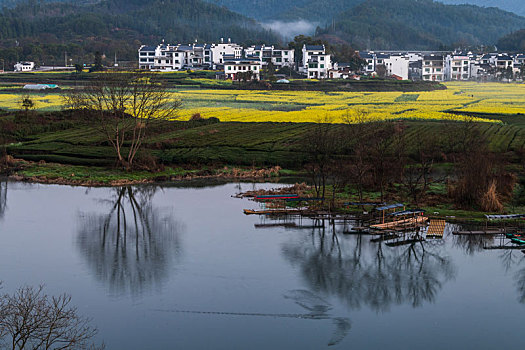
<point x="246" y="68"/>
<point x="457" y="67"/>
<point x="24" y="66"/>
<point x="278" y="57"/>
<point x="433" y="68"/>
<point x="315" y="63"/>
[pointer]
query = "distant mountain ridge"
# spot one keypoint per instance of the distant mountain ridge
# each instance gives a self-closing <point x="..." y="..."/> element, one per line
<point x="324" y="10"/>
<point x="421" y="24"/>
<point x="47" y="32"/>
<point x="516" y="6"/>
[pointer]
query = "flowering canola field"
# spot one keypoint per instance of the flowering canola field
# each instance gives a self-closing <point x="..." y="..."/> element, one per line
<point x="493" y="99"/>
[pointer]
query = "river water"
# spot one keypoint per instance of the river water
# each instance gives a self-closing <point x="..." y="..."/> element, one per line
<point x="184" y="268"/>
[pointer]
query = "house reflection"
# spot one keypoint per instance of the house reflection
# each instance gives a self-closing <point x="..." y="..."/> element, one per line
<point x="360" y="272"/>
<point x="133" y="246"/>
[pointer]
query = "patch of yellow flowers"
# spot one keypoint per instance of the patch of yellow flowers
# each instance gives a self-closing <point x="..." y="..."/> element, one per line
<point x="314" y="106"/>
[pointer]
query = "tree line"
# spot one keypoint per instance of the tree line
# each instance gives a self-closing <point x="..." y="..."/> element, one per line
<point x="383" y="157"/>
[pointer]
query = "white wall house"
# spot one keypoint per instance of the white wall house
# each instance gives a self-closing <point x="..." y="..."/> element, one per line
<point x="316" y="63"/>
<point x="218" y="51"/>
<point x="279" y="57"/>
<point x="457" y="67"/>
<point x="147" y="57"/>
<point x="504" y="61"/>
<point x="24" y="66"/>
<point x="433" y="68"/>
<point x="397" y="65"/>
<point x="233" y="66"/>
<point x="369" y="59"/>
<point x="165" y="57"/>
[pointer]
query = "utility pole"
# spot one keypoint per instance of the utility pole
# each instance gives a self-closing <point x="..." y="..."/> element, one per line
<point x="65" y="59"/>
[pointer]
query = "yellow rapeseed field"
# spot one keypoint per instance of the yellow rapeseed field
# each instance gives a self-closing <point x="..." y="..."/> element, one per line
<point x="492" y="99"/>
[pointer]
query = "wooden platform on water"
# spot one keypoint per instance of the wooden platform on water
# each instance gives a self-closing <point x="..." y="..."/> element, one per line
<point x="401" y="224"/>
<point x="436" y="228"/>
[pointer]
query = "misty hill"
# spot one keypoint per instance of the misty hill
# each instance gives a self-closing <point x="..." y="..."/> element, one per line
<point x="421" y="24"/>
<point x="43" y="32"/>
<point x="321" y="11"/>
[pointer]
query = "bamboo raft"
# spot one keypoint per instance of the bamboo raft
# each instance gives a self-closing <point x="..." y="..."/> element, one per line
<point x="401" y="224"/>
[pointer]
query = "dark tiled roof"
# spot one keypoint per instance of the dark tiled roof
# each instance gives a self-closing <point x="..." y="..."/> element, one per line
<point x="504" y="58"/>
<point x="433" y="58"/>
<point x="315" y="47"/>
<point x="147" y="48"/>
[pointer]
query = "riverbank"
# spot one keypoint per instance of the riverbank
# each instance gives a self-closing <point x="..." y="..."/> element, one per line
<point x="437" y="205"/>
<point x="95" y="176"/>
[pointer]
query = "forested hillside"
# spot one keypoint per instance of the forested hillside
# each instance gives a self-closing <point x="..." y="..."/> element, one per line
<point x="514" y="42"/>
<point x="43" y="32"/>
<point x="516" y="6"/>
<point x="421" y="24"/>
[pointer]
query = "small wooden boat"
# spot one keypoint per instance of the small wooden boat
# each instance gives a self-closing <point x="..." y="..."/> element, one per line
<point x="514" y="235"/>
<point x="520" y="240"/>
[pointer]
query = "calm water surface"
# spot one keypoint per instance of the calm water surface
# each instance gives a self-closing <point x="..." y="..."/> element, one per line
<point x="189" y="270"/>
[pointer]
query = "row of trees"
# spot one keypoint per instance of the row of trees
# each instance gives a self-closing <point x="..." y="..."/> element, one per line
<point x="385" y="157"/>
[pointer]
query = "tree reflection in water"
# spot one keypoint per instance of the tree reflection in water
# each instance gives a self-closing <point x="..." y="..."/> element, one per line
<point x="360" y="272"/>
<point x="132" y="246"/>
<point x="3" y="198"/>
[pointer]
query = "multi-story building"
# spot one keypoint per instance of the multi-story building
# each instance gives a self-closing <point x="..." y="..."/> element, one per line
<point x="369" y="60"/>
<point x="249" y="64"/>
<point x="218" y="51"/>
<point x="433" y="68"/>
<point x="316" y="63"/>
<point x="457" y="67"/>
<point x="147" y="57"/>
<point x="393" y="64"/>
<point x="166" y="57"/>
<point x="504" y="61"/>
<point x="397" y="66"/>
<point x="279" y="57"/>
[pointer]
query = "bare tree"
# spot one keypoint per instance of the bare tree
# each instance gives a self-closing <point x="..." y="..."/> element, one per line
<point x="30" y="319"/>
<point x="416" y="177"/>
<point x="321" y="144"/>
<point x="358" y="141"/>
<point x="123" y="106"/>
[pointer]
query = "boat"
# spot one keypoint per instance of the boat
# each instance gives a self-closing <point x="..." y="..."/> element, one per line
<point x="520" y="240"/>
<point x="514" y="235"/>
